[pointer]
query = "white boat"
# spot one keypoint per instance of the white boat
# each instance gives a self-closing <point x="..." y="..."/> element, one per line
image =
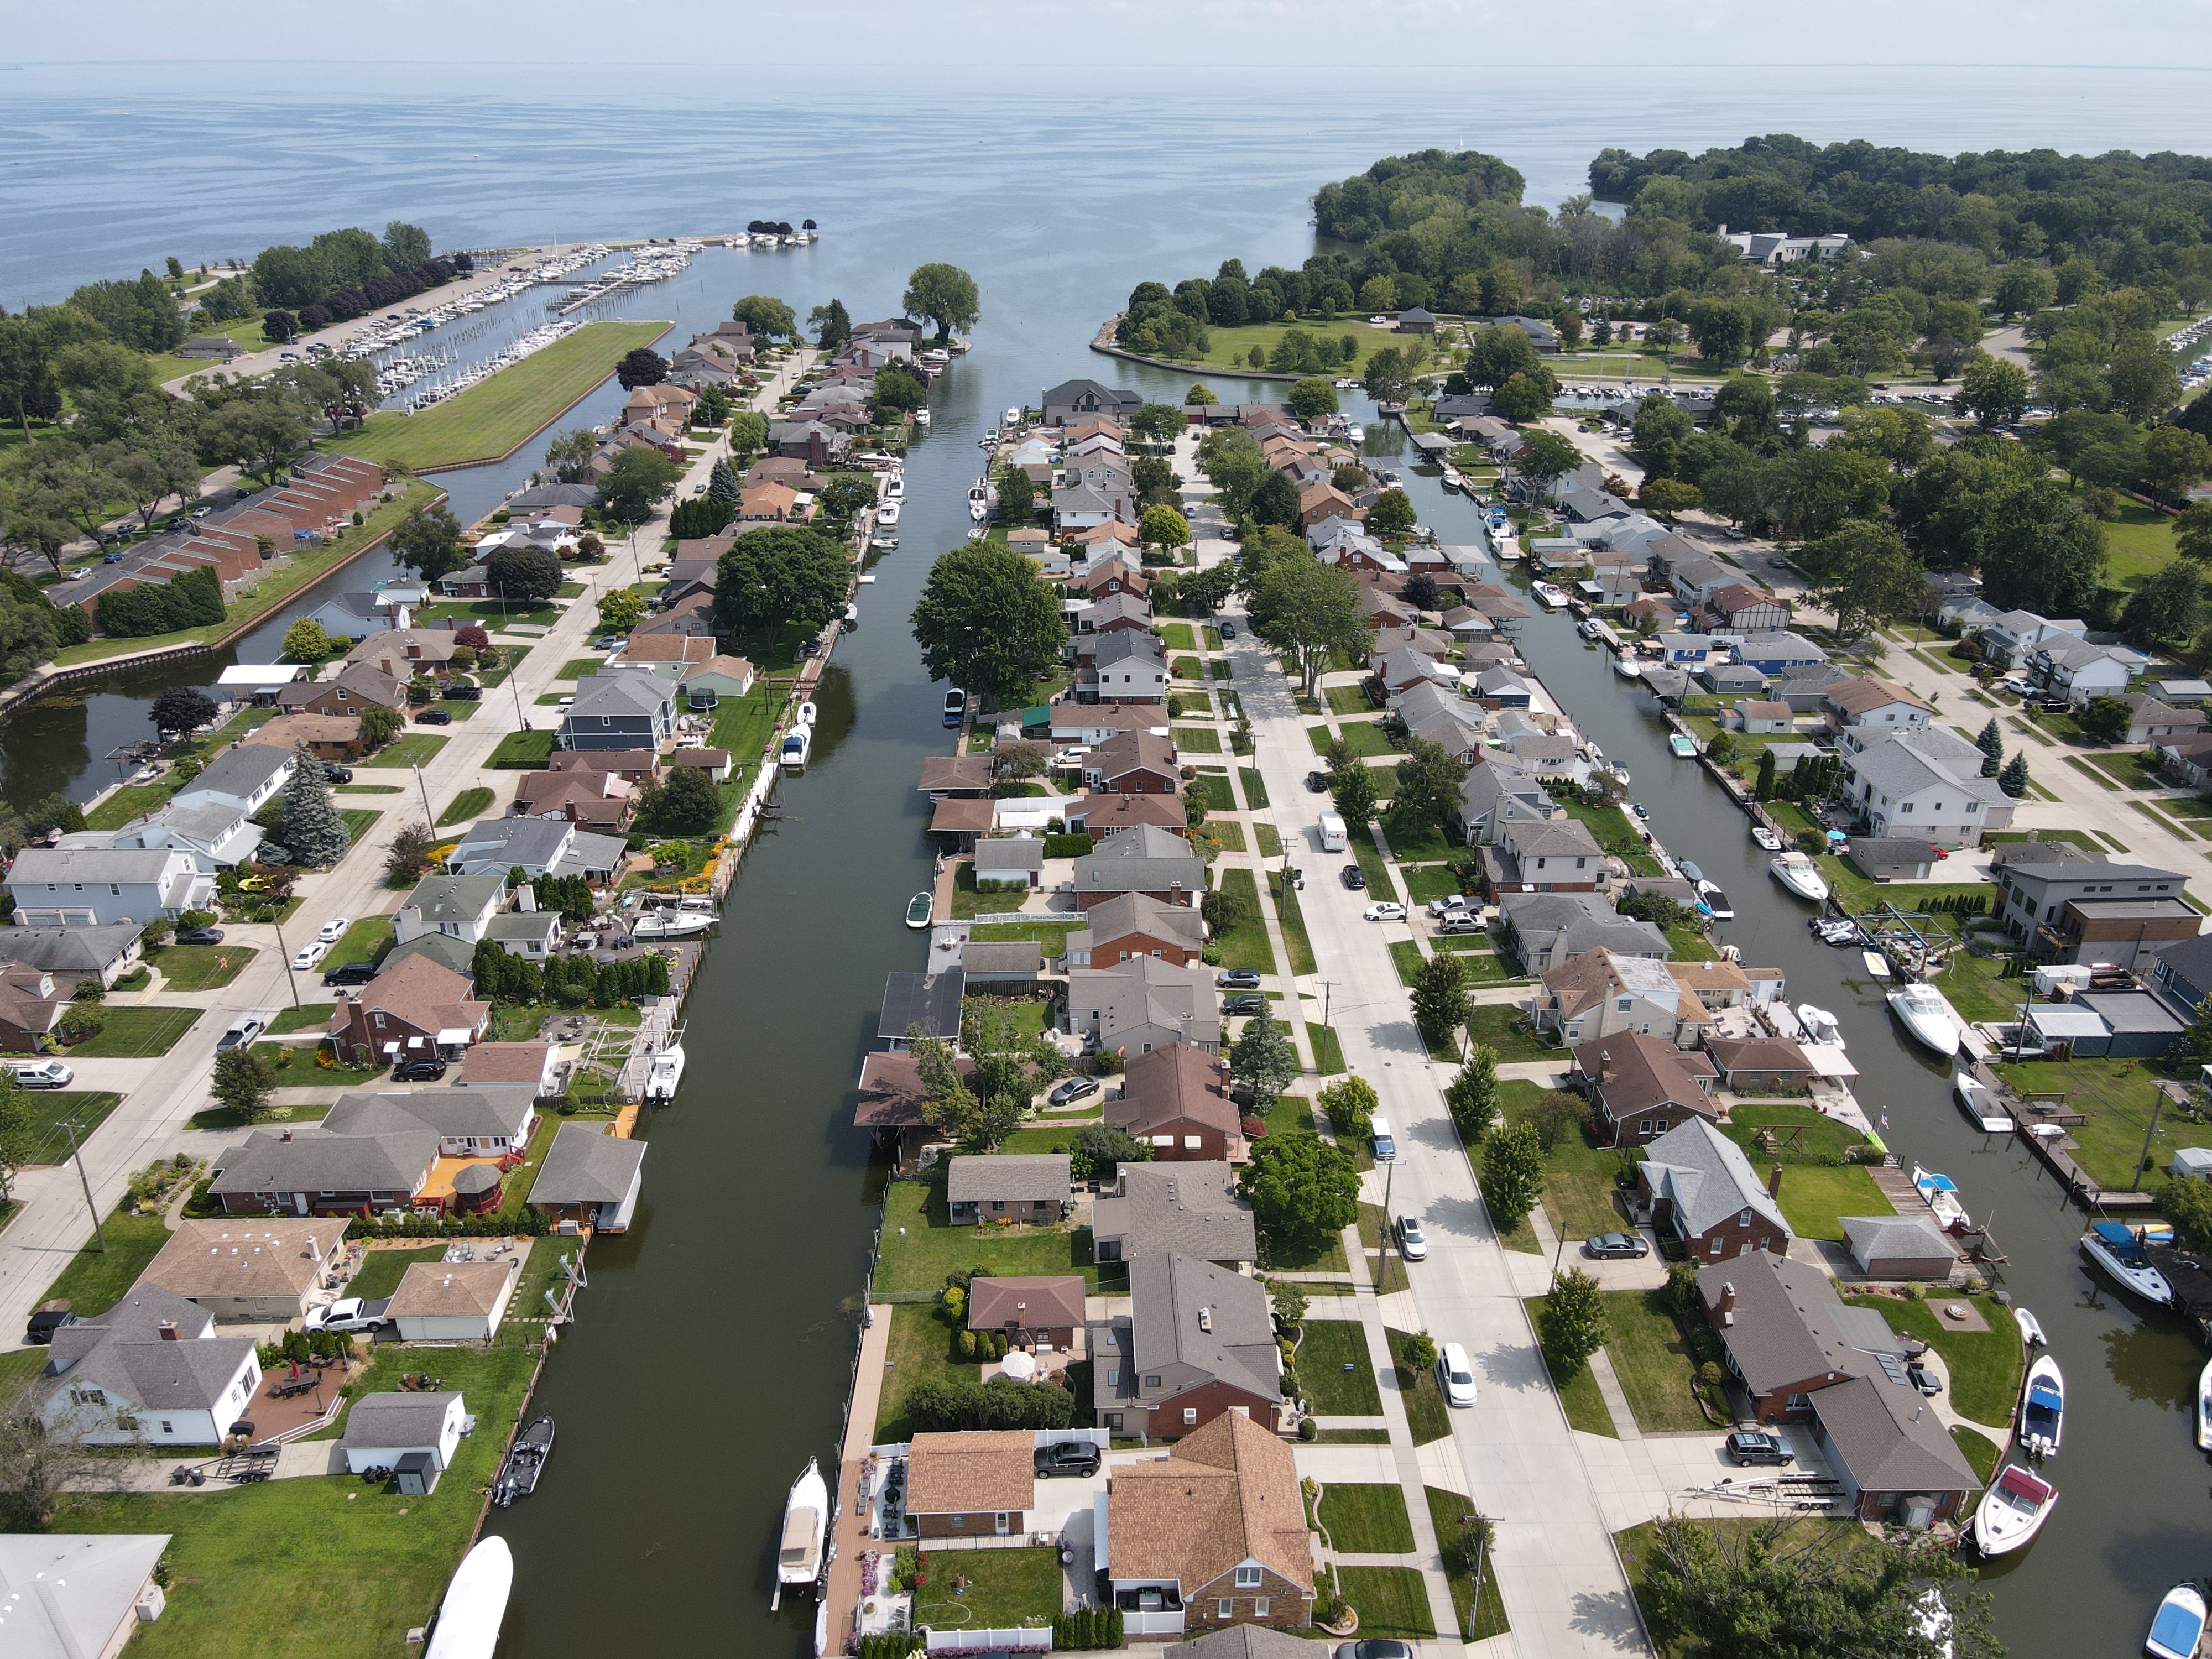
<point x="1820" y="1024"/>
<point x="922" y="417"/>
<point x="2119" y="1251"/>
<point x="887" y="515"/>
<point x="1876" y="963"/>
<point x="1800" y="875"/>
<point x="667" y="1071"/>
<point x="476" y="1603"/>
<point x="1766" y="838"/>
<point x="1355" y="433"/>
<point x="1940" y="1193"/>
<point x="852" y="615"/>
<point x="2031" y="1330"/>
<point x="1452" y="480"/>
<point x="979" y="500"/>
<point x="1715" y="902"/>
<point x="2015" y="1506"/>
<point x="2204" y="1408"/>
<point x="805" y="1526"/>
<point x="1683" y="746"/>
<point x="2043" y="1409"/>
<point x="895" y="488"/>
<point x="1934" y="1622"/>
<point x="670" y="924"/>
<point x="806" y="713"/>
<point x="918" y="908"/>
<point x="1550" y="597"/>
<point x="1627" y="669"/>
<point x="882" y="544"/>
<point x="1974" y="1098"/>
<point x="2178" y="1624"/>
<point x="1012" y="417"/>
<point x="797" y="745"/>
<point x="1927" y="1013"/>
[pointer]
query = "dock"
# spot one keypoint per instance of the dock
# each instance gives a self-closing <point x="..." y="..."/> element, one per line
<point x="848" y="1536"/>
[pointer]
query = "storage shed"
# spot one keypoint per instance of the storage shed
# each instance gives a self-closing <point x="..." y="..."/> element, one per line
<point x="382" y="1429"/>
<point x="2190" y="1161"/>
<point x="1898" y="1247"/>
<point x="453" y="1301"/>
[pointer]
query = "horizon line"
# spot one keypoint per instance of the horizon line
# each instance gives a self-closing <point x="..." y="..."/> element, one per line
<point x="1489" y="63"/>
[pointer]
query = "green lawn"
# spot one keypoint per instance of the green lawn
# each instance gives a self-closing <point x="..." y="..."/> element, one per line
<point x="1578" y="1174"/>
<point x="465" y="807"/>
<point x="1230" y="348"/>
<point x="84" y="1110"/>
<point x="1329" y="1346"/>
<point x="1653" y="1367"/>
<point x="382" y="1270"/>
<point x="1195" y="739"/>
<point x="1978" y="1449"/>
<point x="2138" y="545"/>
<point x="969" y="900"/>
<point x="1814" y="1197"/>
<point x="200" y="967"/>
<point x="94" y="1281"/>
<point x="497" y="415"/>
<point x="1445" y="1509"/>
<point x="1177" y="637"/>
<point x="414" y="749"/>
<point x="1365" y="739"/>
<point x="2116" y="1095"/>
<point x="1427" y="1414"/>
<point x="1580" y="1394"/>
<point x="1216" y="791"/>
<point x="921" y="1245"/>
<point x="1328" y="1049"/>
<point x="308" y="1015"/>
<point x="1614" y="831"/>
<point x="1977" y="987"/>
<point x="1293" y="923"/>
<point x="137" y="1033"/>
<point x="1245" y="944"/>
<point x="523" y="751"/>
<point x="1367" y="1520"/>
<point x="1050" y="936"/>
<point x="1799" y="1131"/>
<point x="300" y="1065"/>
<point x="921" y="1347"/>
<point x="1347" y="700"/>
<point x="366" y="940"/>
<point x="989" y="1590"/>
<point x="1393" y="1601"/>
<point x="1984" y="1365"/>
<point x="358" y="821"/>
<point x="1255" y="787"/>
<point x="1491" y="1023"/>
<point x="1380" y="883"/>
<point x="1857" y="894"/>
<point x="1425" y="883"/>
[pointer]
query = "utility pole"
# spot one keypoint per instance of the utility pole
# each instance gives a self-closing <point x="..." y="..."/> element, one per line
<point x="429" y="819"/>
<point x="2157" y="1105"/>
<point x="285" y="951"/>
<point x="77" y="1158"/>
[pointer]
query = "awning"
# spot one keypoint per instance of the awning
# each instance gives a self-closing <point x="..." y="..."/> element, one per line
<point x="1828" y="1060"/>
<point x="392" y="1047"/>
<point x="455" y="1036"/>
<point x="261" y="673"/>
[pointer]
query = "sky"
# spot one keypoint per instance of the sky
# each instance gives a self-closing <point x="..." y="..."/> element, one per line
<point x="954" y="37"/>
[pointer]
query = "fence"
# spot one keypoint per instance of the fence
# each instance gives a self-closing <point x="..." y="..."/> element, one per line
<point x="1024" y="1640"/>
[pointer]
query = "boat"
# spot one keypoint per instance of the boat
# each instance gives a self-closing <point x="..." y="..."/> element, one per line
<point x="2178" y="1624"/>
<point x="1549" y="596"/>
<point x="887" y="515"/>
<point x="1876" y="963"/>
<point x="2204" y="1408"/>
<point x="979" y="500"/>
<point x="1940" y="1193"/>
<point x="797" y="745"/>
<point x="2015" y="1506"/>
<point x="1974" y="1099"/>
<point x="1684" y="748"/>
<point x="1766" y="838"/>
<point x="806" y="713"/>
<point x="2119" y="1252"/>
<point x="2043" y="1409"/>
<point x="1935" y="1621"/>
<point x="1796" y="872"/>
<point x="474" y="1604"/>
<point x="805" y="1526"/>
<point x="667" y="1071"/>
<point x="525" y="1461"/>
<point x="882" y="544"/>
<point x="1820" y="1024"/>
<point x="1927" y="1013"/>
<point x="1012" y="417"/>
<point x="670" y="924"/>
<point x="956" y="706"/>
<point x="895" y="487"/>
<point x="1452" y="480"/>
<point x="852" y="615"/>
<point x="2031" y="1330"/>
<point x="1626" y="669"/>
<point x="1714" y="902"/>
<point x="1836" y="930"/>
<point x="922" y="417"/>
<point x="918" y="908"/>
<point x="1355" y="433"/>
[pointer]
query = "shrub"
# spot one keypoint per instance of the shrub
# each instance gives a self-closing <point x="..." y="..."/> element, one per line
<point x="963" y="1343"/>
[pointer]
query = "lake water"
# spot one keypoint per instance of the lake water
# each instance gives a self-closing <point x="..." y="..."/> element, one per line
<point x="715" y="1344"/>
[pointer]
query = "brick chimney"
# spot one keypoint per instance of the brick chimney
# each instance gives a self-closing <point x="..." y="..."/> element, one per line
<point x="1727" y="1308"/>
<point x="168" y="1330"/>
<point x="1604" y="1064"/>
<point x="1774" y="1183"/>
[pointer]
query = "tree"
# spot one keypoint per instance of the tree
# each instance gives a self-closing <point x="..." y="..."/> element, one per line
<point x="1165" y="528"/>
<point x="2188" y="1203"/>
<point x="1352" y="787"/>
<point x="1512" y="1175"/>
<point x="1308" y="611"/>
<point x="2014" y="779"/>
<point x="1200" y="392"/>
<point x="1668" y="498"/>
<point x="748" y="431"/>
<point x="1429" y="779"/>
<point x="845" y="496"/>
<point x="767" y="316"/>
<point x="2193" y="531"/>
<point x="1302" y="1190"/>
<point x="685" y="803"/>
<point x="2021" y="289"/>
<point x="986" y="622"/>
<point x="1392" y="516"/>
<point x="1262" y="1057"/>
<point x="722" y="483"/>
<point x="313" y="828"/>
<point x="1287" y="1299"/>
<point x="943" y="294"/>
<point x="2168" y="608"/>
<point x="1420" y="1352"/>
<point x="780" y="573"/>
<point x="1099" y="1149"/>
<point x="1017" y="495"/>
<point x="2104" y="720"/>
<point x="1499" y="352"/>
<point x="1389" y="374"/>
<point x="1156" y="423"/>
<point x="182" y="708"/>
<point x="261" y="433"/>
<point x="243" y="1079"/>
<point x="1547" y="456"/>
<point x="1863" y="571"/>
<point x="1571" y="1325"/>
<point x="305" y="641"/>
<point x="19" y="1134"/>
<point x="1472" y="1096"/>
<point x="1723" y="331"/>
<point x="1313" y="397"/>
<point x="638" y="480"/>
<point x="2173" y="459"/>
<point x="571" y="452"/>
<point x="1351" y="1103"/>
<point x="643" y="367"/>
<point x="620" y="611"/>
<point x="1520" y="399"/>
<point x="1990" y="742"/>
<point x="379" y="724"/>
<point x="832" y="325"/>
<point x="427" y="541"/>
<point x="1993" y="390"/>
<point x="1440" y="997"/>
<point x="526" y="575"/>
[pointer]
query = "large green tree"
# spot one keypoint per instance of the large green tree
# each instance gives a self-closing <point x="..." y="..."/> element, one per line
<point x="943" y="294"/>
<point x="313" y="828"/>
<point x="767" y="316"/>
<point x="1512" y="1175"/>
<point x="427" y="541"/>
<point x="1571" y="1324"/>
<point x="1429" y="781"/>
<point x="1440" y="997"/>
<point x="1302" y="1190"/>
<point x="780" y="573"/>
<point x="1308" y="611"/>
<point x="1863" y="571"/>
<point x="988" y="622"/>
<point x="1472" y="1096"/>
<point x="1262" y="1057"/>
<point x="638" y="480"/>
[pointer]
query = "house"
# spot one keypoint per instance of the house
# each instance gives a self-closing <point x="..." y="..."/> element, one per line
<point x="719" y="676"/>
<point x="1805" y="688"/>
<point x="453" y="1301"/>
<point x="1553" y="855"/>
<point x="1545" y="929"/>
<point x="31" y="1007"/>
<point x="2125" y="933"/>
<point x="377" y="1152"/>
<point x="1144" y="1003"/>
<point x="1074" y="399"/>
<point x="355" y="685"/>
<point x="326" y="737"/>
<point x="1040" y="1312"/>
<point x="1689" y="650"/>
<point x="590" y="1177"/>
<point x="2183" y="692"/>
<point x="1700" y="1190"/>
<point x="1102" y="816"/>
<point x="1640" y="1086"/>
<point x="1740" y="608"/>
<point x="1765" y="717"/>
<point x="1145" y="859"/>
<point x="106" y="887"/>
<point x="2078" y="671"/>
<point x="461" y="906"/>
<point x="538" y="846"/>
<point x="1726" y="679"/>
<point x="405" y="653"/>
<point x="1135" y="925"/>
<point x="978" y="1483"/>
<point x="1925" y="780"/>
<point x="89" y="1592"/>
<point x="1542" y="334"/>
<point x="414" y="1007"/>
<point x="1113" y="613"/>
<point x="1496" y="792"/>
<point x="895" y="1108"/>
<point x="2037" y="880"/>
<point x="1771" y="653"/>
<point x="1188" y="1209"/>
<point x="260" y="1270"/>
<point x="1416" y="319"/>
<point x="2150" y="720"/>
<point x="2014" y="635"/>
<point x="1138" y="763"/>
<point x="217" y="836"/>
<point x="413" y="1435"/>
<point x="1121" y="668"/>
<point x="1216" y="1533"/>
<point x="1761" y="1066"/>
<point x="962" y="775"/>
<point x="1430" y="712"/>
<point x="2137" y="1025"/>
<point x="2181" y="971"/>
<point x="1175" y="1100"/>
<point x="1015" y="965"/>
<point x="1010" y="861"/>
<point x="1008" y="1186"/>
<point x="1898" y="1247"/>
<point x="599" y="801"/>
<point x="665" y="652"/>
<point x="148" y="1371"/>
<point x="1197" y="1343"/>
<point x="1861" y="709"/>
<point x="73" y="954"/>
<point x="1598" y="993"/>
<point x="634" y="708"/>
<point x="2188" y="760"/>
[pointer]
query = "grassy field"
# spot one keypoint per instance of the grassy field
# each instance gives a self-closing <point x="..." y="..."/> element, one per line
<point x="495" y="417"/>
<point x="1393" y="1601"/>
<point x="1653" y="1365"/>
<point x="82" y="1111"/>
<point x="1577" y="1173"/>
<point x="1245" y="944"/>
<point x="969" y="900"/>
<point x="2116" y="1095"/>
<point x="1427" y="1414"/>
<point x="1231" y="348"/>
<point x="415" y="749"/>
<point x="989" y="1590"/>
<point x="1367" y="1520"/>
<point x="137" y="1033"/>
<point x="299" y="1066"/>
<point x="366" y="940"/>
<point x="201" y="967"/>
<point x="1815" y="1198"/>
<point x="1985" y="1365"/>
<point x="526" y="752"/>
<point x="921" y="1347"/>
<point x="2138" y="545"/>
<point x="1330" y="1345"/>
<point x="1491" y="1025"/>
<point x="931" y="1247"/>
<point x="1445" y="1509"/>
<point x="95" y="1280"/>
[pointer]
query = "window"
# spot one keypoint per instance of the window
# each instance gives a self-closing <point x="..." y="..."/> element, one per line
<point x="1625" y="1003"/>
<point x="1743" y="1217"/>
<point x="1717" y="1247"/>
<point x="1248" y="1578"/>
<point x="1224" y="1608"/>
<point x="999" y="1523"/>
<point x="1259" y="1606"/>
<point x="1189" y="1417"/>
<point x="165" y="1429"/>
<point x="1151" y="1382"/>
<point x="956" y="1522"/>
<point x="1113" y="1375"/>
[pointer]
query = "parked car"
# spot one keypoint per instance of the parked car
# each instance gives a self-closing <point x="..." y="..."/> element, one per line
<point x="1639" y="809"/>
<point x="1412" y="1243"/>
<point x="334" y="930"/>
<point x="348" y="1314"/>
<point x="1455" y="1375"/>
<point x="45" y="1323"/>
<point x="434" y="717"/>
<point x="1076" y="1457"/>
<point x="199" y="936"/>
<point x="1353" y="878"/>
<point x="307" y="955"/>
<point x="1373" y="1648"/>
<point x="1239" y="979"/>
<point x="1075" y="1089"/>
<point x="42" y="1073"/>
<point x="464" y="693"/>
<point x="241" y="1034"/>
<point x="606" y="641"/>
<point x="1228" y="630"/>
<point x="1250" y="1003"/>
<point x="1617" y="1246"/>
<point x="1317" y="782"/>
<point x="1387" y="910"/>
<point x="1449" y="904"/>
<point x="333" y="773"/>
<point x="427" y="1068"/>
<point x="350" y="973"/>
<point x="1748" y="1446"/>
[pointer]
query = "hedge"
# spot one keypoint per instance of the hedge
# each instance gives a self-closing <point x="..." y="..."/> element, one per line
<point x="1068" y="847"/>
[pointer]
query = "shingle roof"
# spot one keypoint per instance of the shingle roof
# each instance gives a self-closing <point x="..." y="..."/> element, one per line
<point x="454" y="898"/>
<point x="587" y="1165"/>
<point x="381" y="1421"/>
<point x="240" y="771"/>
<point x="1056" y="1301"/>
<point x="630" y="694"/>
<point x="1187" y="1311"/>
<point x="1785" y="1327"/>
<point x="1004" y="855"/>
<point x="1894" y="1237"/>
<point x="242" y="1257"/>
<point x="1172" y="1084"/>
<point x="1635" y="1072"/>
<point x="69" y="949"/>
<point x="1139" y="912"/>
<point x="123" y="1351"/>
<point x="1885" y="1435"/>
<point x="976" y="1471"/>
<point x="1869" y="692"/>
<point x="1227" y="1492"/>
<point x="1188" y="1208"/>
<point x="1002" y="1177"/>
<point x="1708" y="1177"/>
<point x="436" y="1289"/>
<point x="1146" y="859"/>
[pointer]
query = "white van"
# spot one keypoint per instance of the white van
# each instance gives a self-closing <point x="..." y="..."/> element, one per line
<point x="42" y="1073"/>
<point x="1333" y="836"/>
<point x="1378" y="1132"/>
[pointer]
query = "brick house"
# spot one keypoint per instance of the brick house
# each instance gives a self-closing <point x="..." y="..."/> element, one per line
<point x="1041" y="1312"/>
<point x="1701" y="1191"/>
<point x="1642" y="1086"/>
<point x="1198" y="1343"/>
<point x="416" y="1009"/>
<point x="978" y="1483"/>
<point x="1175" y="1100"/>
<point x="1133" y="925"/>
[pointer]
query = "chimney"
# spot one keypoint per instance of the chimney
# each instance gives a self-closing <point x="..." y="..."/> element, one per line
<point x="286" y="1135"/>
<point x="1604" y="1064"/>
<point x="1774" y="1183"/>
<point x="1727" y="1308"/>
<point x="168" y="1330"/>
<point x="1205" y="1319"/>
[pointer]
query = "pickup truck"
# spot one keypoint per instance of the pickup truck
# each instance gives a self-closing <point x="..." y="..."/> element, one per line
<point x="349" y="1314"/>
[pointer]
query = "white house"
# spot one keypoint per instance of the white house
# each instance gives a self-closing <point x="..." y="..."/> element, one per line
<point x="218" y="835"/>
<point x="150" y="1370"/>
<point x="459" y="907"/>
<point x="246" y="777"/>
<point x="382" y="1429"/>
<point x="2015" y="633"/>
<point x="1925" y="783"/>
<point x="83" y="1596"/>
<point x="453" y="1301"/>
<point x="1864" y="709"/>
<point x="2079" y="670"/>
<point x="96" y="886"/>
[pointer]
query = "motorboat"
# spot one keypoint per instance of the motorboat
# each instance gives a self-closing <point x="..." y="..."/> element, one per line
<point x="797" y="745"/>
<point x="1684" y="747"/>
<point x="1627" y="668"/>
<point x="2016" y="1505"/>
<point x="666" y="1073"/>
<point x="918" y="908"/>
<point x="1012" y="417"/>
<point x="1550" y="597"/>
<point x="2204" y="1408"/>
<point x="2043" y="1409"/>
<point x="1715" y="902"/>
<point x="1976" y="1099"/>
<point x="1452" y="480"/>
<point x="2120" y="1253"/>
<point x="883" y="544"/>
<point x="1820" y="1024"/>
<point x="1766" y="838"/>
<point x="1876" y="963"/>
<point x="670" y="924"/>
<point x="895" y="487"/>
<point x="887" y="515"/>
<point x="806" y="713"/>
<point x="805" y="1527"/>
<point x="1835" y="930"/>
<point x="1935" y="1621"/>
<point x="1797" y="872"/>
<point x="525" y="1462"/>
<point x="2178" y="1624"/>
<point x="1927" y="1014"/>
<point x="922" y="417"/>
<point x="1355" y="433"/>
<point x="1940" y="1195"/>
<point x="2031" y="1330"/>
<point x="979" y="500"/>
<point x="474" y="1604"/>
<point x="956" y="706"/>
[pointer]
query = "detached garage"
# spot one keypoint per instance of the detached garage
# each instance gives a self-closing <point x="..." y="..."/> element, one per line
<point x="413" y="1435"/>
<point x="1898" y="1247"/>
<point x="453" y="1301"/>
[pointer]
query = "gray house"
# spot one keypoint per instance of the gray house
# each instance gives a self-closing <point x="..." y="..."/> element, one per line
<point x="591" y="1178"/>
<point x="1010" y="861"/>
<point x="1074" y="399"/>
<point x="246" y="777"/>
<point x="539" y="846"/>
<point x="1198" y="1340"/>
<point x="1008" y="1186"/>
<point x="630" y="708"/>
<point x="1191" y="1209"/>
<point x="1546" y="929"/>
<point x="1142" y="1004"/>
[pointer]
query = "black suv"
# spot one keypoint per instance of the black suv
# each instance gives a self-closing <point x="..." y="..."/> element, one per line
<point x="45" y="1323"/>
<point x="333" y="773"/>
<point x="1075" y="1457"/>
<point x="434" y="717"/>
<point x="1317" y="782"/>
<point x="1251" y="1003"/>
<point x="1354" y="877"/>
<point x="1747" y="1446"/>
<point x="428" y="1069"/>
<point x="350" y="973"/>
<point x="463" y="694"/>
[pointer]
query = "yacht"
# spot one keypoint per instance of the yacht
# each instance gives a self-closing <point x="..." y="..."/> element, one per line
<point x="2043" y="1409"/>
<point x="882" y="544"/>
<point x="1627" y="668"/>
<point x="476" y="1601"/>
<point x="1452" y="480"/>
<point x="1550" y="597"/>
<point x="805" y="1529"/>
<point x="2119" y="1251"/>
<point x="979" y="500"/>
<point x="2178" y="1624"/>
<point x="1800" y="876"/>
<point x="1940" y="1193"/>
<point x="922" y="417"/>
<point x="2015" y="1506"/>
<point x="895" y="487"/>
<point x="1974" y="1099"/>
<point x="1355" y="433"/>
<point x="956" y="706"/>
<point x="887" y="515"/>
<point x="1820" y="1024"/>
<point x="525" y="1461"/>
<point x="667" y="1071"/>
<point x="1012" y="418"/>
<point x="1927" y="1013"/>
<point x="797" y="745"/>
<point x="670" y="924"/>
<point x="1766" y="838"/>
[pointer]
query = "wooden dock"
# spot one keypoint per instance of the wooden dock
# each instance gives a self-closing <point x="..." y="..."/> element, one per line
<point x="848" y="1536"/>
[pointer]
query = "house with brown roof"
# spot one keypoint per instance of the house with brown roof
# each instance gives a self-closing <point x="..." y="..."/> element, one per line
<point x="31" y="1007"/>
<point x="1321" y="500"/>
<point x="416" y="1008"/>
<point x="975" y="1484"/>
<point x="1041" y="1313"/>
<point x="1110" y="576"/>
<point x="631" y="765"/>
<point x="538" y="1064"/>
<point x="1032" y="1187"/>
<point x="453" y="1301"/>
<point x="1870" y="701"/>
<point x="1137" y="763"/>
<point x="1599" y="993"/>
<point x="1102" y="816"/>
<point x="1641" y="1086"/>
<point x="597" y="800"/>
<point x="326" y="737"/>
<point x="241" y="1269"/>
<point x="1217" y="1529"/>
<point x="1175" y="1100"/>
<point x="1198" y="1341"/>
<point x="1136" y="925"/>
<point x="1761" y="1066"/>
<point x="685" y="648"/>
<point x="353" y="685"/>
<point x="964" y="775"/>
<point x="895" y="1108"/>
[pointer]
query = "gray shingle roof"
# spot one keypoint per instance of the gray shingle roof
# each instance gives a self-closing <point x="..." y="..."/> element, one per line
<point x="1146" y="859"/>
<point x="1708" y="1176"/>
<point x="122" y="1351"/>
<point x="1885" y="1435"/>
<point x="240" y="771"/>
<point x="1188" y="1208"/>
<point x="1009" y="855"/>
<point x="391" y="1160"/>
<point x="69" y="949"/>
<point x="1234" y="1344"/>
<point x="1009" y="1177"/>
<point x="628" y="694"/>
<point x="454" y="898"/>
<point x="380" y="1420"/>
<point x="1889" y="1237"/>
<point x="587" y="1165"/>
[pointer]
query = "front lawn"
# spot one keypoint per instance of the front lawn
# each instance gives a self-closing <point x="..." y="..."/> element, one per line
<point x="1426" y="883"/>
<point x="1393" y="1601"/>
<point x="1985" y="1365"/>
<point x="366" y="940"/>
<point x="1380" y="885"/>
<point x="2116" y="1097"/>
<point x="921" y="1245"/>
<point x="1255" y="787"/>
<point x="307" y="1066"/>
<point x="1245" y="944"/>
<point x="988" y="1589"/>
<point x="1328" y="1347"/>
<point x="1580" y="1394"/>
<point x="414" y="749"/>
<point x="1491" y="1025"/>
<point x="523" y="752"/>
<point x="1577" y="1173"/>
<point x="1654" y="1366"/>
<point x="200" y="967"/>
<point x="1292" y="921"/>
<point x="1195" y="739"/>
<point x="1426" y="1413"/>
<point x="1445" y="1510"/>
<point x="137" y="1033"/>
<point x="465" y="807"/>
<point x="84" y="1110"/>
<point x="94" y="1280"/>
<point x="1814" y="1197"/>
<point x="1366" y="1520"/>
